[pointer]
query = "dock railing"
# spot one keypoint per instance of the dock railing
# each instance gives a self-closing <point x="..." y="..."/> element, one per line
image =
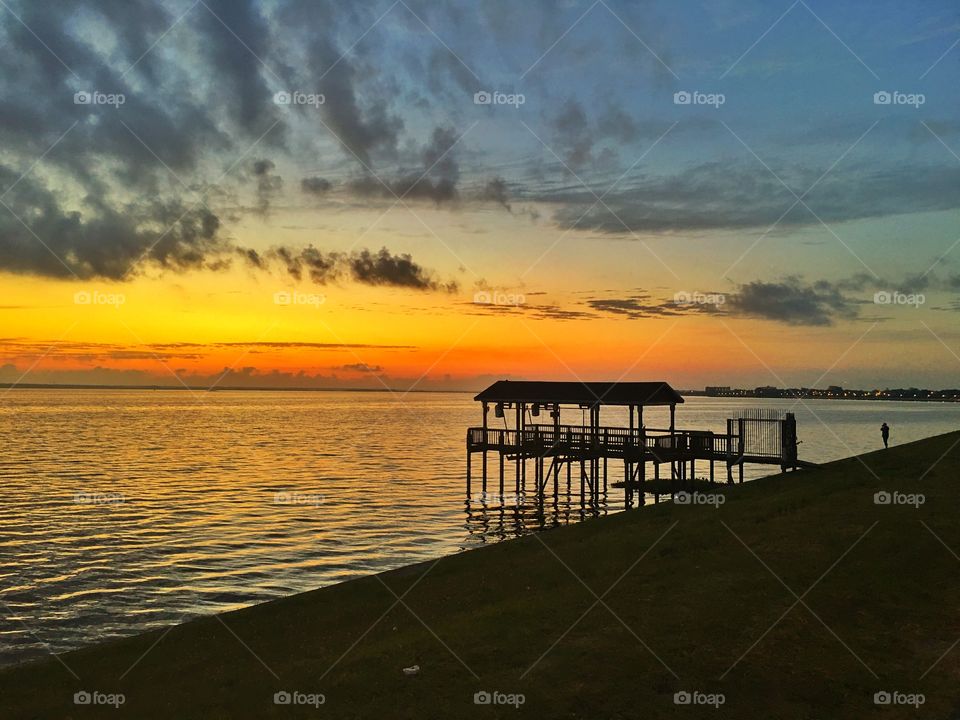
<point x="545" y="439"/>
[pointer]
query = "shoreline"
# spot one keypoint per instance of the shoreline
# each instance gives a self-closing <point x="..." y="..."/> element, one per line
<point x="477" y="619"/>
<point x="240" y="388"/>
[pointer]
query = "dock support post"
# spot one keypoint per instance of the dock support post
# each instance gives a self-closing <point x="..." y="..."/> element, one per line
<point x="711" y="471"/>
<point x="523" y="427"/>
<point x="583" y="472"/>
<point x="517" y="455"/>
<point x="468" y="473"/>
<point x="484" y="453"/>
<point x="556" y="479"/>
<point x="741" y="471"/>
<point x="606" y="440"/>
<point x="673" y="445"/>
<point x="642" y="493"/>
<point x="628" y="462"/>
<point x="501" y="468"/>
<point x="656" y="481"/>
<point x="626" y="484"/>
<point x="538" y="475"/>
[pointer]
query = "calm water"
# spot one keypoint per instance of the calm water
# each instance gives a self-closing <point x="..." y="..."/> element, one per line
<point x="127" y="510"/>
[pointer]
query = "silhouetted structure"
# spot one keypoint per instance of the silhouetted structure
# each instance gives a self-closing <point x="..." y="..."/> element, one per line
<point x="767" y="437"/>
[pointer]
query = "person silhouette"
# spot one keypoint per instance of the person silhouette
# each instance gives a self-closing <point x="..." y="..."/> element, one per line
<point x="885" y="434"/>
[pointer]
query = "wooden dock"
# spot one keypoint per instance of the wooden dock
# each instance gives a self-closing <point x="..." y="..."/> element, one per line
<point x="756" y="437"/>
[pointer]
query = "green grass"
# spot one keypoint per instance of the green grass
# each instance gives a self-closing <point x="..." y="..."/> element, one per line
<point x="694" y="598"/>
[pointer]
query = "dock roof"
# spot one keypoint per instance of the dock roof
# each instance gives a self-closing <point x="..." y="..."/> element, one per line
<point x="581" y="393"/>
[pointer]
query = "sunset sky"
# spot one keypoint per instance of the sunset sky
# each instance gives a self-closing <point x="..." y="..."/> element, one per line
<point x="304" y="193"/>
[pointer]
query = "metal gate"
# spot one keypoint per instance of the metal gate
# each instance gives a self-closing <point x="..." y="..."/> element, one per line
<point x="764" y="433"/>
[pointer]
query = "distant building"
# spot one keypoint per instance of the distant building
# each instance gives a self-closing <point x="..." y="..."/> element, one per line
<point x="717" y="390"/>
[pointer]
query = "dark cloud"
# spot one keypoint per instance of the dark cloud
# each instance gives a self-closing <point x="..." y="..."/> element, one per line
<point x="497" y="191"/>
<point x="638" y="307"/>
<point x="236" y="38"/>
<point x="269" y="184"/>
<point x="361" y="121"/>
<point x="572" y="133"/>
<point x="360" y="367"/>
<point x="412" y="186"/>
<point x="740" y="195"/>
<point x="541" y="311"/>
<point x="792" y="302"/>
<point x="320" y="266"/>
<point x="315" y="185"/>
<point x="435" y="180"/>
<point x="103" y="240"/>
<point x="382" y="268"/>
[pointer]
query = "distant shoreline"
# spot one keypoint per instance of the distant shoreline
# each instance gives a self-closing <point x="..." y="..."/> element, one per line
<point x="218" y="388"/>
<point x="232" y="388"/>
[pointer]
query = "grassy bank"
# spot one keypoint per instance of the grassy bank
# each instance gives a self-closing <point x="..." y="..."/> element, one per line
<point x="693" y="598"/>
